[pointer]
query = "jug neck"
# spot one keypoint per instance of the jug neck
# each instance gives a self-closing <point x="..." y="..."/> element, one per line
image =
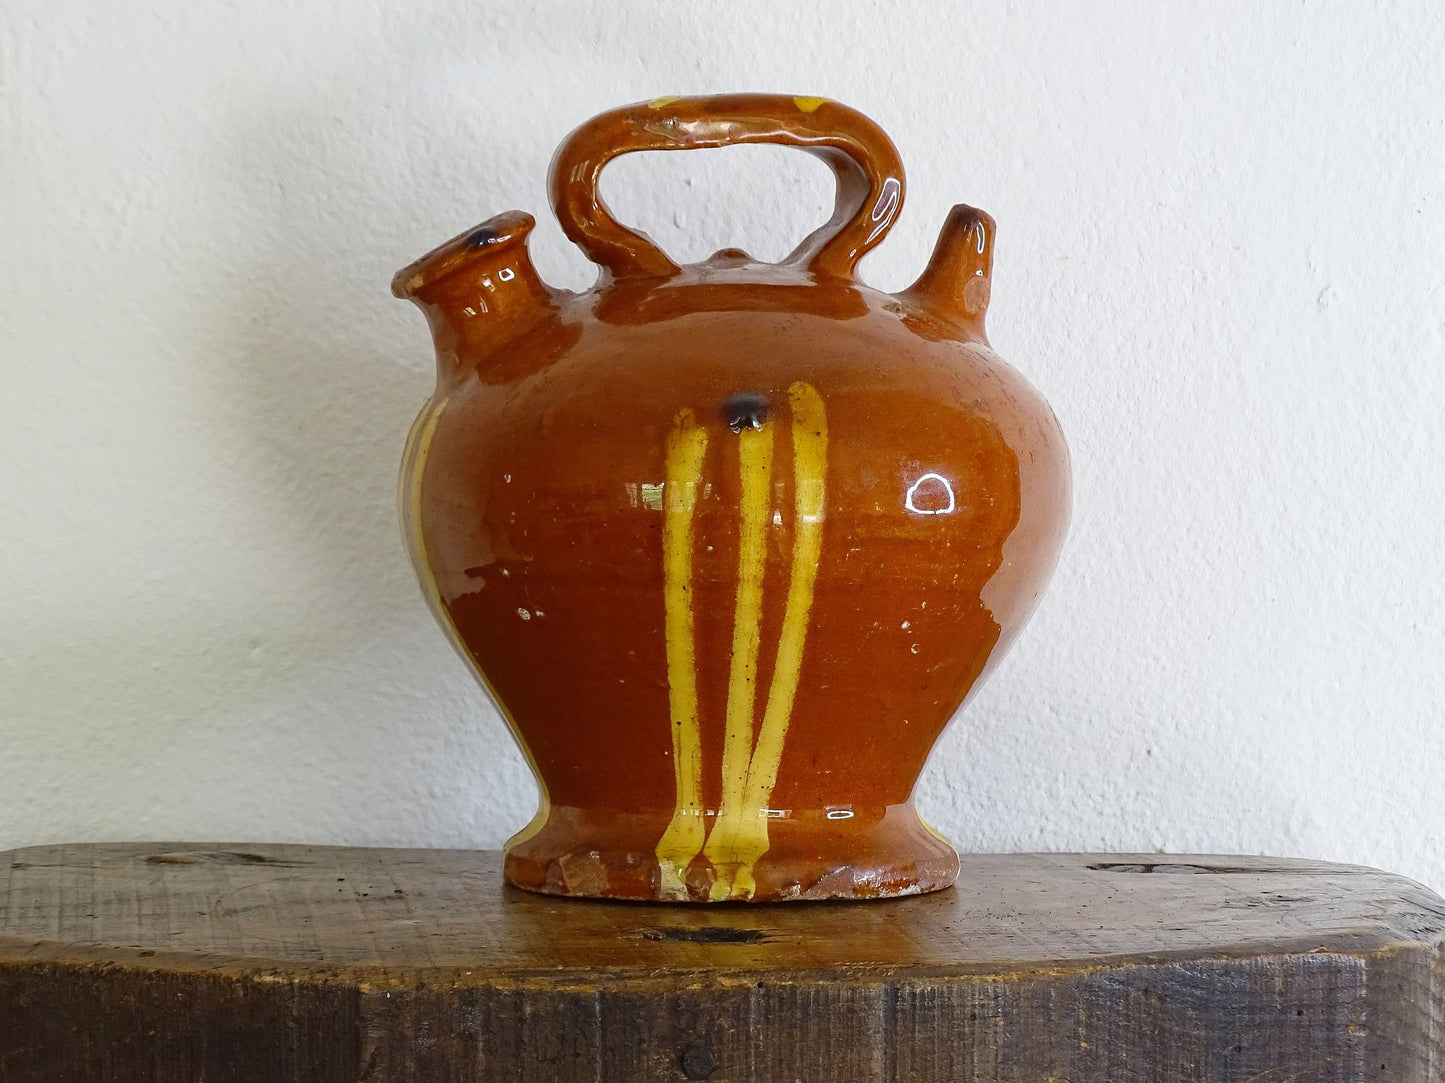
<point x="479" y="292"/>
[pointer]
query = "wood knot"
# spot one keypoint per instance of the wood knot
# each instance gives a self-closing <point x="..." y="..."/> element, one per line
<point x="697" y="1061"/>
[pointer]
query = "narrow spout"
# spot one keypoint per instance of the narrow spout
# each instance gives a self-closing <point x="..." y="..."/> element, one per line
<point x="479" y="291"/>
<point x="957" y="276"/>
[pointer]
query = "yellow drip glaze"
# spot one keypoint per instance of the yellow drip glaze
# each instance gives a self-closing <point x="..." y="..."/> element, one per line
<point x="739" y="837"/>
<point x="810" y="465"/>
<point x="755" y="454"/>
<point x="810" y="105"/>
<point x="683" y="839"/>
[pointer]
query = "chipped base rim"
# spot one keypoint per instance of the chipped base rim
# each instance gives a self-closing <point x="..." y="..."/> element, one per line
<point x="811" y="858"/>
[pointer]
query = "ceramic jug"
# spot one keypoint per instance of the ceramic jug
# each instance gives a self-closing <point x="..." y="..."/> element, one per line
<point x="728" y="544"/>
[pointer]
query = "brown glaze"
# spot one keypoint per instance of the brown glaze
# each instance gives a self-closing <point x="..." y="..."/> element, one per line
<point x="729" y="543"/>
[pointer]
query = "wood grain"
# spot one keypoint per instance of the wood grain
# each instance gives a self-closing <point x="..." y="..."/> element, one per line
<point x="264" y="962"/>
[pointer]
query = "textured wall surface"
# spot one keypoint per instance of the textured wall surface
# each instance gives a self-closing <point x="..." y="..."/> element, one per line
<point x="1220" y="256"/>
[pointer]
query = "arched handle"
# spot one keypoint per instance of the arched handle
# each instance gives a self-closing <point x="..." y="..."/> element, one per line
<point x="862" y="157"/>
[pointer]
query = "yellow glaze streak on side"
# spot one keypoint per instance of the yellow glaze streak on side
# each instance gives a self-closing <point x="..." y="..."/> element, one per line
<point x="810" y="105"/>
<point x="658" y="103"/>
<point x="683" y="839"/>
<point x="418" y="448"/>
<point x="755" y="458"/>
<point x="810" y="467"/>
<point x="934" y="832"/>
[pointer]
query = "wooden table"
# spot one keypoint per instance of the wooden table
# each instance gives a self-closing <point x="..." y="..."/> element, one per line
<point x="269" y="963"/>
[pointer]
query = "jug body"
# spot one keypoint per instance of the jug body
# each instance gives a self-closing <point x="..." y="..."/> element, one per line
<point x="730" y="544"/>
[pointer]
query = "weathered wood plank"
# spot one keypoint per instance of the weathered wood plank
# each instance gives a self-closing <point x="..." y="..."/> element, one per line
<point x="182" y="962"/>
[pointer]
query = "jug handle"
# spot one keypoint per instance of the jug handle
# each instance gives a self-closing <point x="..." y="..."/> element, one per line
<point x="862" y="157"/>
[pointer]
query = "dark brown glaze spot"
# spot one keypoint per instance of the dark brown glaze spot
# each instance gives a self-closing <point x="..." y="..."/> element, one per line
<point x="745" y="410"/>
<point x="480" y="238"/>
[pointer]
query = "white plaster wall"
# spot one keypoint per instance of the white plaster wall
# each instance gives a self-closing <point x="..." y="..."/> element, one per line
<point x="1221" y="256"/>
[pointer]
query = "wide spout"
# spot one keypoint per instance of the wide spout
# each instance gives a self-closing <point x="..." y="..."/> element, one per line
<point x="957" y="276"/>
<point x="479" y="291"/>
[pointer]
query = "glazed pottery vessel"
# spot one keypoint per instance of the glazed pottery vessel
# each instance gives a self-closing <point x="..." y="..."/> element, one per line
<point x="729" y="543"/>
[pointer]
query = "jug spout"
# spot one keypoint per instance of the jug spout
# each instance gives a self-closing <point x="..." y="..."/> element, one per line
<point x="957" y="276"/>
<point x="479" y="291"/>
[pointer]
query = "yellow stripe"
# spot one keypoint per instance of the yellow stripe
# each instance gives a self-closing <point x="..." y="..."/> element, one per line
<point x="418" y="443"/>
<point x="810" y="466"/>
<point x="683" y="839"/>
<point x="755" y="456"/>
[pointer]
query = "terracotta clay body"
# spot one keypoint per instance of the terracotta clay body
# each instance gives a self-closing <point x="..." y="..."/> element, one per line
<point x="730" y="543"/>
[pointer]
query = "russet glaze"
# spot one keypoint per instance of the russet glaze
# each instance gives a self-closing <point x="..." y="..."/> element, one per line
<point x="729" y="544"/>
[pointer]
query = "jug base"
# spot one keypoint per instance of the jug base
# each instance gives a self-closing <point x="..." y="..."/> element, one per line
<point x="809" y="856"/>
